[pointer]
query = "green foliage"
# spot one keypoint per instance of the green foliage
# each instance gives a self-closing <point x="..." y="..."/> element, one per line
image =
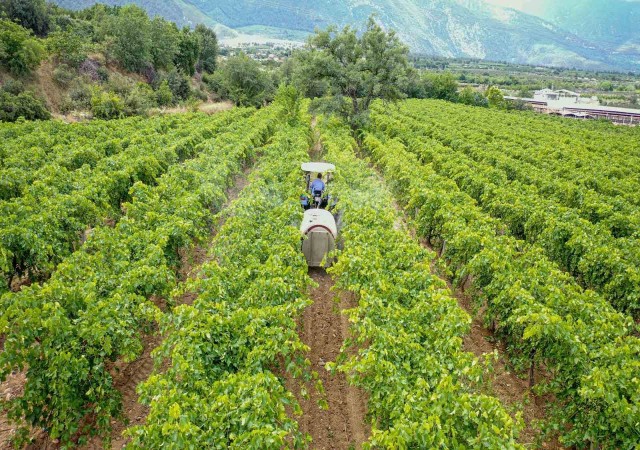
<point x="164" y="43"/>
<point x="406" y="351"/>
<point x="179" y="85"/>
<point x="20" y="53"/>
<point x="465" y="199"/>
<point x="290" y="100"/>
<point x="95" y="308"/>
<point x="164" y="96"/>
<point x="355" y="69"/>
<point x="471" y="97"/>
<point x="106" y="105"/>
<point x="443" y="86"/>
<point x="208" y="43"/>
<point x="64" y="75"/>
<point x="129" y="33"/>
<point x="68" y="47"/>
<point x="188" y="52"/>
<point x="242" y="81"/>
<point x="227" y="351"/>
<point x="139" y="100"/>
<point x="495" y="97"/>
<point x="22" y="105"/>
<point x="31" y="14"/>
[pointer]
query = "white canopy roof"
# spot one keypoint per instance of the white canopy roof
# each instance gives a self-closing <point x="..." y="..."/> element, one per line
<point x="318" y="167"/>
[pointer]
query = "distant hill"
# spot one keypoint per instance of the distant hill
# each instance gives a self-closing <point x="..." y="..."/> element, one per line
<point x="603" y="21"/>
<point x="572" y="33"/>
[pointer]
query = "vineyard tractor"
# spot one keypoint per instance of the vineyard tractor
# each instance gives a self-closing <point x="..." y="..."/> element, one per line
<point x="318" y="228"/>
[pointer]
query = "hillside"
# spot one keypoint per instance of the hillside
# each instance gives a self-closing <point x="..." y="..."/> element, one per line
<point x="604" y="21"/>
<point x="454" y="28"/>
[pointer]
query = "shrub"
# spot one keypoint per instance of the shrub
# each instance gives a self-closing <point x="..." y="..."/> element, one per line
<point x="200" y="95"/>
<point x="139" y="100"/>
<point x="179" y="85"/>
<point x="164" y="96"/>
<point x="25" y="105"/>
<point x="106" y="105"/>
<point x="20" y="52"/>
<point x="91" y="68"/>
<point x="120" y="84"/>
<point x="470" y="97"/>
<point x="63" y="75"/>
<point x="80" y="95"/>
<point x="13" y="87"/>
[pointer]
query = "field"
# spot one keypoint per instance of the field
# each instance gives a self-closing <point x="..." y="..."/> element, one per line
<point x="486" y="293"/>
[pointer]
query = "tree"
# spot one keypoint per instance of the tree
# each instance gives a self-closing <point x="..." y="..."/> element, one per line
<point x="130" y="31"/>
<point x="443" y="86"/>
<point x="470" y="97"/>
<point x="188" y="52"/>
<point x="356" y="69"/>
<point x="68" y="47"/>
<point x="495" y="97"/>
<point x="31" y="14"/>
<point x="242" y="81"/>
<point x="209" y="49"/>
<point x="164" y="38"/>
<point x="20" y="52"/>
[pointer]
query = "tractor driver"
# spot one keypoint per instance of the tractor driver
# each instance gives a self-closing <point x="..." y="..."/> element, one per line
<point x="317" y="185"/>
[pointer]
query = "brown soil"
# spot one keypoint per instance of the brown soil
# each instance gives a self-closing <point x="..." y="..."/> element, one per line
<point x="323" y="328"/>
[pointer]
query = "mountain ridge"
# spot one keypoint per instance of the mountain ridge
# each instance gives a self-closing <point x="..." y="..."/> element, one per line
<point x="452" y="28"/>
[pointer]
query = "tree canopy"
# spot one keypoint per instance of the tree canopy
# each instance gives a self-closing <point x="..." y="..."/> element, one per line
<point x="353" y="68"/>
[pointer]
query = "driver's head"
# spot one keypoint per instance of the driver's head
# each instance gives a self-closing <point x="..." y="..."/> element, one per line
<point x="319" y="176"/>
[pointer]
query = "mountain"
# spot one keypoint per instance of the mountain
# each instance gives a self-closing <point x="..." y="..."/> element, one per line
<point x="608" y="22"/>
<point x="455" y="28"/>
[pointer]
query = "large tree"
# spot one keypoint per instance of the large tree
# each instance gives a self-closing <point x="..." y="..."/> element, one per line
<point x="130" y="33"/>
<point x="31" y="14"/>
<point x="164" y="43"/>
<point x="242" y="81"/>
<point x="353" y="68"/>
<point x="208" y="49"/>
<point x="188" y="52"/>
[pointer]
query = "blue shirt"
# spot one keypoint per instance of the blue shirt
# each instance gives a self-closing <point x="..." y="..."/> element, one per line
<point x="317" y="185"/>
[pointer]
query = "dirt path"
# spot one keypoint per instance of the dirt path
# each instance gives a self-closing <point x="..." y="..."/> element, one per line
<point x="324" y="329"/>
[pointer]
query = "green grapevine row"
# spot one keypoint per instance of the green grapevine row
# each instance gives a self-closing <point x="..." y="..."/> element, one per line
<point x="227" y="352"/>
<point x="67" y="333"/>
<point x="408" y="330"/>
<point x="587" y="251"/>
<point x="52" y="151"/>
<point x="45" y="225"/>
<point x="616" y="213"/>
<point x="562" y="147"/>
<point x="589" y="350"/>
